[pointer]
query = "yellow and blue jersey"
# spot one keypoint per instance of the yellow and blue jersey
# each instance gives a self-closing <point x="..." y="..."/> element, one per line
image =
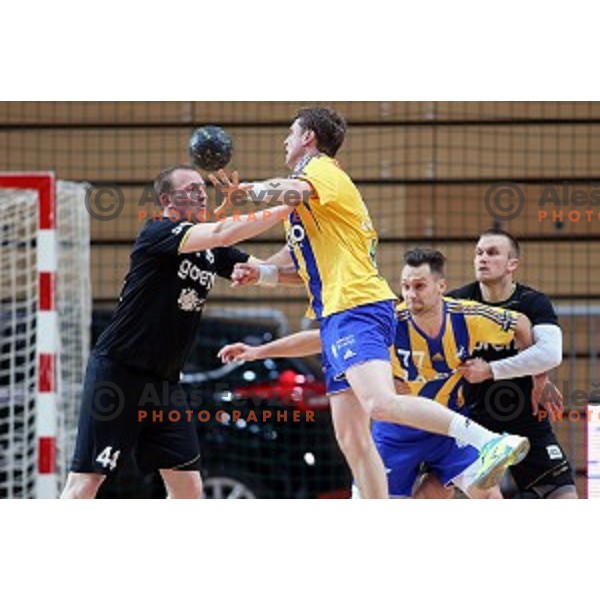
<point x="428" y="365"/>
<point x="333" y="242"/>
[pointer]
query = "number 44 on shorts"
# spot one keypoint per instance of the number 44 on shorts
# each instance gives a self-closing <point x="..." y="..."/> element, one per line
<point x="108" y="458"/>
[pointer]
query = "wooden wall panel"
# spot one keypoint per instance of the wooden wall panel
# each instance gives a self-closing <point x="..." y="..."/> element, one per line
<point x="370" y="152"/>
<point x="516" y="110"/>
<point x="204" y="112"/>
<point x="576" y="378"/>
<point x="581" y="334"/>
<point x="462" y="210"/>
<point x="519" y="151"/>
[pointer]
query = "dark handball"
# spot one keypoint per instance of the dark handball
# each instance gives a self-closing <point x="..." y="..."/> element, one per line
<point x="210" y="148"/>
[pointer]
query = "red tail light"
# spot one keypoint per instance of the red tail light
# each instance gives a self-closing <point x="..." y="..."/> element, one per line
<point x="336" y="495"/>
<point x="291" y="389"/>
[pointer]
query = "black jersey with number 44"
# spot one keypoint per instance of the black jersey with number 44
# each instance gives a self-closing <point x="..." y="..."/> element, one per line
<point x="157" y="317"/>
<point x="497" y="404"/>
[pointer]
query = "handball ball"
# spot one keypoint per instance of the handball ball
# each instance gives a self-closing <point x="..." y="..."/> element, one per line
<point x="210" y="148"/>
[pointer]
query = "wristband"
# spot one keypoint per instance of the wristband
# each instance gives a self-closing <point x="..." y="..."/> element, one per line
<point x="268" y="275"/>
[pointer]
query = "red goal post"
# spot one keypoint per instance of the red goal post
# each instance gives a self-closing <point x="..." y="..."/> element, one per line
<point x="38" y="436"/>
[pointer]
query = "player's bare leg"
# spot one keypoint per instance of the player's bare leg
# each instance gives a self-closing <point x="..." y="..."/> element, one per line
<point x="182" y="485"/>
<point x="353" y="433"/>
<point x="373" y="384"/>
<point x="82" y="486"/>
<point x="551" y="492"/>
<point x="493" y="493"/>
<point x="567" y="492"/>
<point x="429" y="487"/>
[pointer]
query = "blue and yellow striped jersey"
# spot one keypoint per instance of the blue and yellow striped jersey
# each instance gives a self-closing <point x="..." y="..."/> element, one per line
<point x="428" y="365"/>
<point x="333" y="242"/>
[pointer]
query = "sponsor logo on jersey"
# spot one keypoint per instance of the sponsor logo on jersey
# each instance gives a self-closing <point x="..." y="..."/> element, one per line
<point x="554" y="452"/>
<point x="189" y="301"/>
<point x="188" y="270"/>
<point x="295" y="235"/>
<point x="484" y="347"/>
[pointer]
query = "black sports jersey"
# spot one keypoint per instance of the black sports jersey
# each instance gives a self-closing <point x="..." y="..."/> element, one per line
<point x="157" y="317"/>
<point x="497" y="404"/>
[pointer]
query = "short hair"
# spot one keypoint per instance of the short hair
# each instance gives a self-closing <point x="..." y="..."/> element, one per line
<point x="427" y="256"/>
<point x="163" y="184"/>
<point x="329" y="128"/>
<point x="515" y="247"/>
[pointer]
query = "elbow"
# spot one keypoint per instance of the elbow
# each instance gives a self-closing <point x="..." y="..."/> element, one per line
<point x="224" y="241"/>
<point x="548" y="339"/>
<point x="316" y="349"/>
<point x="550" y="357"/>
<point x="553" y="351"/>
<point x="555" y="357"/>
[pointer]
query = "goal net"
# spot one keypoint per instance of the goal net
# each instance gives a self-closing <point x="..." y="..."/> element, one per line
<point x="45" y="313"/>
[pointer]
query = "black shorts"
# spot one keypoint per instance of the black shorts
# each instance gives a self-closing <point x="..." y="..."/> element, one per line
<point x="545" y="465"/>
<point x="111" y="421"/>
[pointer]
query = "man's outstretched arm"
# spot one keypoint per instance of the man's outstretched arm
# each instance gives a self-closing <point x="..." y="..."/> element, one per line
<point x="304" y="343"/>
<point x="232" y="230"/>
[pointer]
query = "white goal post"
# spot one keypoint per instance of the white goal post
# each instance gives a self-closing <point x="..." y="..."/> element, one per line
<point x="45" y="314"/>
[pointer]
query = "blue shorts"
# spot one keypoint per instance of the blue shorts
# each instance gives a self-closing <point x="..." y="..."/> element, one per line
<point x="356" y="336"/>
<point x="404" y="450"/>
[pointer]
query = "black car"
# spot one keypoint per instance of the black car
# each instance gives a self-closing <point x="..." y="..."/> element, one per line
<point x="265" y="428"/>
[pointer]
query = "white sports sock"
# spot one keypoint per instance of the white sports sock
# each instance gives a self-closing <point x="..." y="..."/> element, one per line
<point x="465" y="430"/>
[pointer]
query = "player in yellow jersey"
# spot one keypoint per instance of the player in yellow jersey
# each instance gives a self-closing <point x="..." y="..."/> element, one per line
<point x="433" y="339"/>
<point x="331" y="249"/>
